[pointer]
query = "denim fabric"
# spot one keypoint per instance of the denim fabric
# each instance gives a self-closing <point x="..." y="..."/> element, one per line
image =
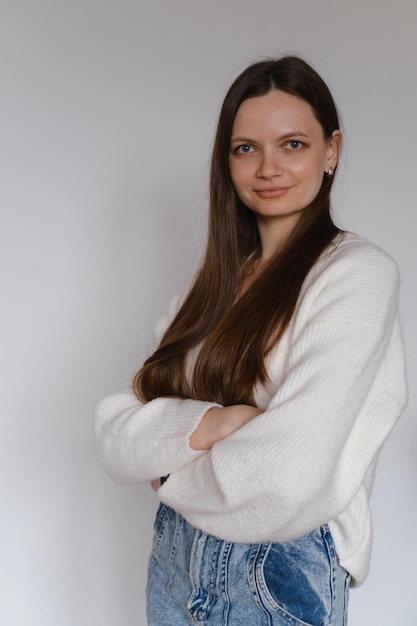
<point x="195" y="578"/>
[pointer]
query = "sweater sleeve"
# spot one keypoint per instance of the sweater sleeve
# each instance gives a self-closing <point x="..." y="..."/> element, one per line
<point x="301" y="462"/>
<point x="137" y="442"/>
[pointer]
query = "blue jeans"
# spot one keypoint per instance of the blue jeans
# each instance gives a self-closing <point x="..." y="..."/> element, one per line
<point x="195" y="578"/>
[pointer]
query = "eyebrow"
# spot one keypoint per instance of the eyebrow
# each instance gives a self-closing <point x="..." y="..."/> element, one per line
<point x="288" y="135"/>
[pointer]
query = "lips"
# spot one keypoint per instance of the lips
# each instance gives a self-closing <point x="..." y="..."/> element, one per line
<point x="271" y="192"/>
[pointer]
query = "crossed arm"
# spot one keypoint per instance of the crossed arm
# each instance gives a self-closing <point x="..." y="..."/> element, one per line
<point x="219" y="423"/>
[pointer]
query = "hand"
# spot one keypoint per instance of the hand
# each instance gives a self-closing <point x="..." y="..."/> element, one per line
<point x="219" y="423"/>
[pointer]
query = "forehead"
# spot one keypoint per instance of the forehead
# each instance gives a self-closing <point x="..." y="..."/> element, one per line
<point x="275" y="111"/>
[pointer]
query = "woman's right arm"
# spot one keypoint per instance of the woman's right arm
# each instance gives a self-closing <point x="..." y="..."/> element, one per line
<point x="138" y="442"/>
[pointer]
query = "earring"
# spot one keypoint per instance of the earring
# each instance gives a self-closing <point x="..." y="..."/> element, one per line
<point x="330" y="172"/>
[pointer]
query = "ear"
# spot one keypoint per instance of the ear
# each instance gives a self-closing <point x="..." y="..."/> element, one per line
<point x="333" y="149"/>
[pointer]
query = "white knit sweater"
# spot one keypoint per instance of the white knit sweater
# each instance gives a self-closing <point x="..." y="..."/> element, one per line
<point x="337" y="386"/>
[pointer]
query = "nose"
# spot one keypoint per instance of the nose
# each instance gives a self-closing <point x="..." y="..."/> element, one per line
<point x="270" y="165"/>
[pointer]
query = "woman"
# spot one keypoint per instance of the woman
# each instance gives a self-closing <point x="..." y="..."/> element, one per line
<point x="275" y="382"/>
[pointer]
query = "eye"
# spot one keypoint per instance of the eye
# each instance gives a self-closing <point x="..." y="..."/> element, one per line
<point x="294" y="144"/>
<point x="244" y="148"/>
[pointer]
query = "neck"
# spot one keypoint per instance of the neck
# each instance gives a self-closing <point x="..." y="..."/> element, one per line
<point x="273" y="234"/>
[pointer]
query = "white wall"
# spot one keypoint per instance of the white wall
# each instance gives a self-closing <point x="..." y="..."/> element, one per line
<point x="107" y="114"/>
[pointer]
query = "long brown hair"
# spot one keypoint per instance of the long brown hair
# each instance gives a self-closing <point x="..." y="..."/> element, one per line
<point x="234" y="335"/>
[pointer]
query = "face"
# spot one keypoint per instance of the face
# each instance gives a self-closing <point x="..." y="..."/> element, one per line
<point x="278" y="156"/>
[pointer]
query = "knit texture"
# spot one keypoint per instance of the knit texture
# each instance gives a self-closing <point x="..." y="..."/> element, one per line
<point x="336" y="388"/>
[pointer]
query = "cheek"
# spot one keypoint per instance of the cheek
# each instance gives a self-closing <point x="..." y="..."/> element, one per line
<point x="309" y="173"/>
<point x="232" y="172"/>
<point x="238" y="175"/>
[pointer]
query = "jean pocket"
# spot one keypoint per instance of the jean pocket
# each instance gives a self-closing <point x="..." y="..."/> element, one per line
<point x="295" y="578"/>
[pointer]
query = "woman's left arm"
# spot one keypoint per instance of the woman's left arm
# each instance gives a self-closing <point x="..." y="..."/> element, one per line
<point x="301" y="462"/>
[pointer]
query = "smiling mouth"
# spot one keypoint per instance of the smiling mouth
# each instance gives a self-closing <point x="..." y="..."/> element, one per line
<point x="273" y="192"/>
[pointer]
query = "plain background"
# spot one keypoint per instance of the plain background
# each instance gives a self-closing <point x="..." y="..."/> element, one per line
<point x="107" y="112"/>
